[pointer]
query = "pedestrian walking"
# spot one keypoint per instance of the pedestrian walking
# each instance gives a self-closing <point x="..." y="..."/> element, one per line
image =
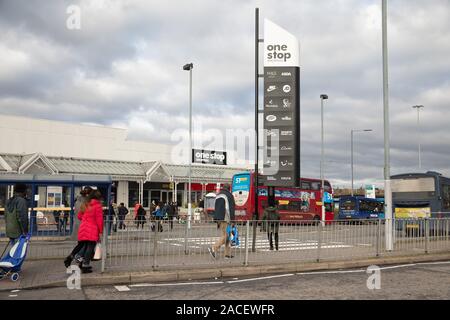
<point x="123" y="211"/>
<point x="112" y="217"/>
<point x="171" y="214"/>
<point x="271" y="223"/>
<point x="159" y="214"/>
<point x="16" y="214"/>
<point x="224" y="215"/>
<point x="140" y="215"/>
<point x="89" y="234"/>
<point x="81" y="201"/>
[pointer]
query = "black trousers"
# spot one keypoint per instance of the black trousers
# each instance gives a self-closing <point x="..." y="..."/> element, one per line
<point x="85" y="249"/>
<point x="77" y="248"/>
<point x="269" y="236"/>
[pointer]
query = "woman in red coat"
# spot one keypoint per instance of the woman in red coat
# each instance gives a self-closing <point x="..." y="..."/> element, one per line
<point x="90" y="231"/>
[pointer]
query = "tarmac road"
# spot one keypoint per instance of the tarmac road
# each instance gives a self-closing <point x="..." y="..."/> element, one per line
<point x="417" y="281"/>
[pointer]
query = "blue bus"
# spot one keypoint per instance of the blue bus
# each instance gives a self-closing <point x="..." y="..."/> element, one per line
<point x="357" y="207"/>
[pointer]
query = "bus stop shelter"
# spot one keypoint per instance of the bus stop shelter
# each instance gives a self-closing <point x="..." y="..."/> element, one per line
<point x="70" y="183"/>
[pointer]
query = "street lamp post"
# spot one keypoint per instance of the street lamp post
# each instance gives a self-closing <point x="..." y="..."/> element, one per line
<point x="322" y="97"/>
<point x="188" y="67"/>
<point x="353" y="130"/>
<point x="418" y="131"/>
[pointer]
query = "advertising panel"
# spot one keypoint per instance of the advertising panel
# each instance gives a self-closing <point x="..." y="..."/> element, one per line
<point x="281" y="107"/>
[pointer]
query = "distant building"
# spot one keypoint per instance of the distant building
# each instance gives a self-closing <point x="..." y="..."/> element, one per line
<point x="141" y="171"/>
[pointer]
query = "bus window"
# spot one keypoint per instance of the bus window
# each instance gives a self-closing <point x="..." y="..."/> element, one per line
<point x="315" y="186"/>
<point x="291" y="206"/>
<point x="446" y="197"/>
<point x="306" y="185"/>
<point x="348" y="205"/>
<point x="363" y="205"/>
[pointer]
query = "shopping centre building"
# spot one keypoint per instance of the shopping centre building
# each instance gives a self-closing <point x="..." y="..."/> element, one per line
<point x="140" y="171"/>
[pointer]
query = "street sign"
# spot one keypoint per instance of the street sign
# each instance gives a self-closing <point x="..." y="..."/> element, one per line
<point x="281" y="107"/>
<point x="209" y="157"/>
<point x="370" y="191"/>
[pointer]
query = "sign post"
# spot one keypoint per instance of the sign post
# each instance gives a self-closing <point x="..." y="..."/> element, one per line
<point x="281" y="107"/>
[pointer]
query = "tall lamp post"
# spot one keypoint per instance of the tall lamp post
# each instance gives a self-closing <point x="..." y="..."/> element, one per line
<point x="418" y="131"/>
<point x="353" y="130"/>
<point x="322" y="97"/>
<point x="188" y="67"/>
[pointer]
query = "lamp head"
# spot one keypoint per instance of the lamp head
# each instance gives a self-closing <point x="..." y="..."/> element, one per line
<point x="188" y="66"/>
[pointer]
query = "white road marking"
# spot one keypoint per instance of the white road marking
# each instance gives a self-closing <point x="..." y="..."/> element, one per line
<point x="262" y="278"/>
<point x="438" y="262"/>
<point x="15" y="290"/>
<point x="174" y="284"/>
<point x="122" y="288"/>
<point x="13" y="295"/>
<point x="330" y="272"/>
<point x="127" y="288"/>
<point x="263" y="245"/>
<point x="399" y="266"/>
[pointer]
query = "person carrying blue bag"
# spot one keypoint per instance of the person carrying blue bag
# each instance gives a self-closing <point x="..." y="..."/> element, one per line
<point x="233" y="235"/>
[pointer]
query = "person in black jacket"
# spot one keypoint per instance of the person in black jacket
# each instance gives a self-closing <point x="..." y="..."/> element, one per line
<point x="223" y="214"/>
<point x="16" y="214"/>
<point x="171" y="214"/>
<point x="123" y="211"/>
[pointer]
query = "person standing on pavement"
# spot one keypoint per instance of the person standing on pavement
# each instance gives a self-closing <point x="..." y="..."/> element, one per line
<point x="123" y="211"/>
<point x="271" y="223"/>
<point x="224" y="215"/>
<point x="16" y="214"/>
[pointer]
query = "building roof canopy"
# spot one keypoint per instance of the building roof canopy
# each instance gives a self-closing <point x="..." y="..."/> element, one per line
<point x="119" y="170"/>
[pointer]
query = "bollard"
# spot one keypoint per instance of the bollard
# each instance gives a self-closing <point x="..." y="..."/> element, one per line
<point x="247" y="232"/>
<point x="427" y="234"/>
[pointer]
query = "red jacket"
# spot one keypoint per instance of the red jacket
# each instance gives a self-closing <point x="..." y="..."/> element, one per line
<point x="91" y="222"/>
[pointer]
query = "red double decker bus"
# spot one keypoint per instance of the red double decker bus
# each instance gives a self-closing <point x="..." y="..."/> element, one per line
<point x="302" y="203"/>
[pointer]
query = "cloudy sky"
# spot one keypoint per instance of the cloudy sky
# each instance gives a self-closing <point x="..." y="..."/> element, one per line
<point x="123" y="68"/>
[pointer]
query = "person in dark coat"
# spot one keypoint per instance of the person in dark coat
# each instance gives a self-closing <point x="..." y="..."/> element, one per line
<point x="123" y="211"/>
<point x="224" y="214"/>
<point x="271" y="224"/>
<point x="171" y="214"/>
<point x="140" y="216"/>
<point x="16" y="214"/>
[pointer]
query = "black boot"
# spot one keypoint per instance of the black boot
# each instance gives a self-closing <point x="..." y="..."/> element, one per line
<point x="68" y="261"/>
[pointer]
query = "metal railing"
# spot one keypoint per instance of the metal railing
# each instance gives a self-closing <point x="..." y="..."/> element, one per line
<point x="176" y="245"/>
